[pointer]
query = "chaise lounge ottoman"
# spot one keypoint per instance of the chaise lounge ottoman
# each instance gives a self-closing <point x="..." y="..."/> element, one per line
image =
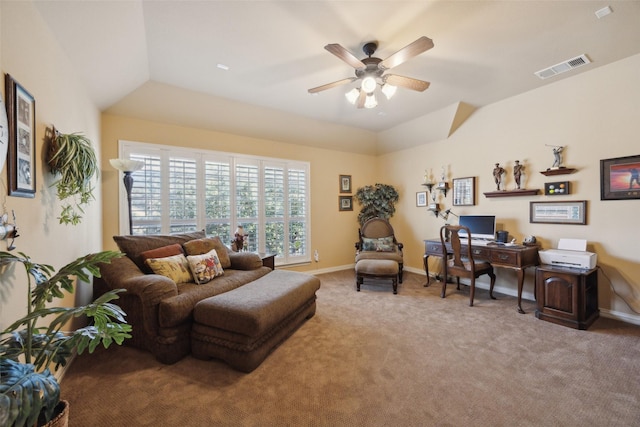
<point x="243" y="326"/>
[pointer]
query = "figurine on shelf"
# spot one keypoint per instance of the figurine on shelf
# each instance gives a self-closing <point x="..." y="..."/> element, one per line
<point x="518" y="169"/>
<point x="498" y="171"/>
<point x="557" y="155"/>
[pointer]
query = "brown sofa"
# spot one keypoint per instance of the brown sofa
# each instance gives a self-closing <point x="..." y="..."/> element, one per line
<point x="159" y="310"/>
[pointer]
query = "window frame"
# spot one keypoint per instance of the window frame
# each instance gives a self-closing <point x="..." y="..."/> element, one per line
<point x="166" y="153"/>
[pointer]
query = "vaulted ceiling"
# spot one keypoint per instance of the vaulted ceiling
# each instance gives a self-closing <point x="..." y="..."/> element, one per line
<point x="159" y="60"/>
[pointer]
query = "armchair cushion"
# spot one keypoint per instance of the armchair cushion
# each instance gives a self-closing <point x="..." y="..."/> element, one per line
<point x="381" y="244"/>
<point x="133" y="246"/>
<point x="205" y="267"/>
<point x="202" y="246"/>
<point x="174" y="267"/>
<point x="161" y="252"/>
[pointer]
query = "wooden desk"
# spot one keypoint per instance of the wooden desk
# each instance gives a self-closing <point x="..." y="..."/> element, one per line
<point x="515" y="257"/>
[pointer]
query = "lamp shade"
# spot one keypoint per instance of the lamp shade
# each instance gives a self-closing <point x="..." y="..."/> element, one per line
<point x="126" y="165"/>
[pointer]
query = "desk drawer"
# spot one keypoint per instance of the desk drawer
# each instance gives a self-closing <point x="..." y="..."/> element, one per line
<point x="504" y="257"/>
<point x="480" y="253"/>
<point x="433" y="248"/>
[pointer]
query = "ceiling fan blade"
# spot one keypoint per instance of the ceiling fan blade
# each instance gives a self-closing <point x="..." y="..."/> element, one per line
<point x="330" y="85"/>
<point x="361" y="98"/>
<point x="345" y="55"/>
<point x="406" y="82"/>
<point x="416" y="48"/>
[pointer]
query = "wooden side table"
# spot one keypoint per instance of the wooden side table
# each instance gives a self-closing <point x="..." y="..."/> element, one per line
<point x="268" y="259"/>
<point x="567" y="296"/>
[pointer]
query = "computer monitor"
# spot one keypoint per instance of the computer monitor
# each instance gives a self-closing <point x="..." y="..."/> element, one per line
<point x="480" y="226"/>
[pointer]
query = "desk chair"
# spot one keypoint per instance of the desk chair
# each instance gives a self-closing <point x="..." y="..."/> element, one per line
<point x="459" y="262"/>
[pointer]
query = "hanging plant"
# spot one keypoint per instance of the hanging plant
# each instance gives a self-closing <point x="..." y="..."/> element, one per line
<point x="72" y="157"/>
<point x="378" y="201"/>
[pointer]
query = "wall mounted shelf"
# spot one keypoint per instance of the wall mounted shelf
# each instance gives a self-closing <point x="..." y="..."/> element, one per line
<point x="561" y="171"/>
<point x="511" y="193"/>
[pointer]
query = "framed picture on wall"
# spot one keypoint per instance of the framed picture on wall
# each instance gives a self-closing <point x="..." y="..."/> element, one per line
<point x="573" y="212"/>
<point x="345" y="183"/>
<point x="620" y="178"/>
<point x="421" y="198"/>
<point x="345" y="203"/>
<point x="464" y="191"/>
<point x="21" y="117"/>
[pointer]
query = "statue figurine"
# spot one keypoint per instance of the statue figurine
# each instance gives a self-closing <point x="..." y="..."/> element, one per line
<point x="238" y="241"/>
<point x="557" y="155"/>
<point x="518" y="169"/>
<point x="497" y="175"/>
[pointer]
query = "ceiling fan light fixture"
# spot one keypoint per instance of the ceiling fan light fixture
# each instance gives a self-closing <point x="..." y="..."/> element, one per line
<point x="370" y="101"/>
<point x="368" y="84"/>
<point x="389" y="90"/>
<point x="352" y="95"/>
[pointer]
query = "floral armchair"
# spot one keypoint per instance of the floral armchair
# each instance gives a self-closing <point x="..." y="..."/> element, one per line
<point x="376" y="240"/>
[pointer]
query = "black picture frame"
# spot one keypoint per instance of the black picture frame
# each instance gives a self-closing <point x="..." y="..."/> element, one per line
<point x="345" y="203"/>
<point x="620" y="178"/>
<point x="464" y="191"/>
<point x="21" y="117"/>
<point x="560" y="188"/>
<point x="345" y="183"/>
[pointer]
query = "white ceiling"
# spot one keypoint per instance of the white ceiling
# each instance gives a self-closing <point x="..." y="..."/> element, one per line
<point x="158" y="59"/>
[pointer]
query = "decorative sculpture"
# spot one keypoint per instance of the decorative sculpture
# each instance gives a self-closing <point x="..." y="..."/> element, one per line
<point x="518" y="169"/>
<point x="498" y="171"/>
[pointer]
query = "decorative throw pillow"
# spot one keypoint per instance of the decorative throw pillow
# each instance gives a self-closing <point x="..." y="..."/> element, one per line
<point x="162" y="252"/>
<point x="205" y="267"/>
<point x="202" y="246"/>
<point x="383" y="244"/>
<point x="174" y="267"/>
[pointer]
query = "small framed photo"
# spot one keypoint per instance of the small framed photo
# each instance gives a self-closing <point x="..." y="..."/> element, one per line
<point x="574" y="212"/>
<point x="421" y="198"/>
<point x="620" y="178"/>
<point x="345" y="183"/>
<point x="21" y="117"/>
<point x="464" y="191"/>
<point x="557" y="188"/>
<point x="345" y="203"/>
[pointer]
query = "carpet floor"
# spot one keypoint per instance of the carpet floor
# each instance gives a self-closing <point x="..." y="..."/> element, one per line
<point x="372" y="358"/>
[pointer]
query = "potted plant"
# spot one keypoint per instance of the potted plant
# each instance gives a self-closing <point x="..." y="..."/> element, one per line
<point x="34" y="345"/>
<point x="72" y="157"/>
<point x="378" y="201"/>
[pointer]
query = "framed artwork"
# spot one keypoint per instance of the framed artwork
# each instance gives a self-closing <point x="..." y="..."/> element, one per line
<point x="21" y="117"/>
<point x="345" y="183"/>
<point x="574" y="212"/>
<point x="345" y="203"/>
<point x="620" y="178"/>
<point x="464" y="191"/>
<point x="421" y="198"/>
<point x="557" y="188"/>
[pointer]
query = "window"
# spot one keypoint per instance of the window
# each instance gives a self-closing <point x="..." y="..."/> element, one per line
<point x="181" y="190"/>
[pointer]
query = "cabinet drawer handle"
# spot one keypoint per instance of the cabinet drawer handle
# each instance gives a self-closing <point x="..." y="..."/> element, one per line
<point x="503" y="257"/>
<point x="477" y="251"/>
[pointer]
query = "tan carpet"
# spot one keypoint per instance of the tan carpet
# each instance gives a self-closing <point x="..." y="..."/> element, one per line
<point x="377" y="359"/>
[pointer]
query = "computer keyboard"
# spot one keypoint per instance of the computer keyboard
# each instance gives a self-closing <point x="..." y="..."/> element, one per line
<point x="481" y="242"/>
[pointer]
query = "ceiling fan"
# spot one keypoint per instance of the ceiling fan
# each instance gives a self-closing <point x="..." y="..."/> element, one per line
<point x="371" y="71"/>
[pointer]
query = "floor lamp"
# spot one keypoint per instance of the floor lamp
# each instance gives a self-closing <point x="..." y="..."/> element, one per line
<point x="127" y="166"/>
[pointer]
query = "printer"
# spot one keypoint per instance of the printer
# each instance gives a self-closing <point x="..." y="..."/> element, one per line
<point x="570" y="253"/>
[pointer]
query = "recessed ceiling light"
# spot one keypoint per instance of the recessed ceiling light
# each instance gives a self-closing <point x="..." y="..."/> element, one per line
<point x="601" y="13"/>
<point x="223" y="67"/>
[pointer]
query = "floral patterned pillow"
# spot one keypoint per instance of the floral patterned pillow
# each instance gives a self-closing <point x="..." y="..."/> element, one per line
<point x="205" y="267"/>
<point x="383" y="244"/>
<point x="174" y="267"/>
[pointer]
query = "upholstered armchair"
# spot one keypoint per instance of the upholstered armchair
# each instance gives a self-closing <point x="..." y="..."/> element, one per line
<point x="377" y="240"/>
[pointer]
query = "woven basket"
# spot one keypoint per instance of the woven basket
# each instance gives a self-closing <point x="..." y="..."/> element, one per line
<point x="62" y="419"/>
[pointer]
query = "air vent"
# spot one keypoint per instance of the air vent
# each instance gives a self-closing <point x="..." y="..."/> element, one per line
<point x="562" y="67"/>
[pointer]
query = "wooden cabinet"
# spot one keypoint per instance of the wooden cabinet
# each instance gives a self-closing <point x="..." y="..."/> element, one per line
<point x="567" y="296"/>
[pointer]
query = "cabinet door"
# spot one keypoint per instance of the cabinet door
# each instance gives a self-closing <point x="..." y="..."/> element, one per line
<point x="558" y="293"/>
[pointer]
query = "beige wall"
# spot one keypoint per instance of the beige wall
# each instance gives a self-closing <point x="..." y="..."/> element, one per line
<point x="333" y="233"/>
<point x="595" y="115"/>
<point x="31" y="56"/>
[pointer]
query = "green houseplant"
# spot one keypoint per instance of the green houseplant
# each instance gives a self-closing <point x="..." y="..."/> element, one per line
<point x="29" y="392"/>
<point x="72" y="157"/>
<point x="377" y="201"/>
